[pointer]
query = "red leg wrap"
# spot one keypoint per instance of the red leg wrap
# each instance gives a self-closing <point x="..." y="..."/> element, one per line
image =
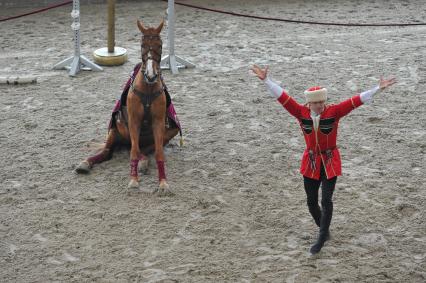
<point x="98" y="158"/>
<point x="134" y="167"/>
<point x="161" y="170"/>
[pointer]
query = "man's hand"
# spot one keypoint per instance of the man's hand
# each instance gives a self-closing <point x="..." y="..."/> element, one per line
<point x="260" y="73"/>
<point x="386" y="83"/>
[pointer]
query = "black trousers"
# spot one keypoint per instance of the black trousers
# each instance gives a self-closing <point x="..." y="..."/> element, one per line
<point x="322" y="216"/>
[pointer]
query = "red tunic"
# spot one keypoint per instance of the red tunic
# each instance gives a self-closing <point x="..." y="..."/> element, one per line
<point x="321" y="144"/>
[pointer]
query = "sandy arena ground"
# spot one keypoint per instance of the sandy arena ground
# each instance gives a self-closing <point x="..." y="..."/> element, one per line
<point x="239" y="212"/>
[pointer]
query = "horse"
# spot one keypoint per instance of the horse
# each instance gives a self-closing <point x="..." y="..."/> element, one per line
<point x="141" y="118"/>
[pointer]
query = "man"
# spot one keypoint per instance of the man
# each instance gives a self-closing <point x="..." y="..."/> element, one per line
<point x="321" y="159"/>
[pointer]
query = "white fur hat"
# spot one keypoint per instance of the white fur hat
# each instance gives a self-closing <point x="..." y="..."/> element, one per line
<point x="315" y="94"/>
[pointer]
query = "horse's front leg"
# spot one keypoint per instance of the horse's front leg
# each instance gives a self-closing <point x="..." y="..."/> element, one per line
<point x="135" y="112"/>
<point x="106" y="154"/>
<point x="158" y="128"/>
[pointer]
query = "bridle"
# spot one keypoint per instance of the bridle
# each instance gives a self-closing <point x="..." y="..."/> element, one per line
<point x="148" y="52"/>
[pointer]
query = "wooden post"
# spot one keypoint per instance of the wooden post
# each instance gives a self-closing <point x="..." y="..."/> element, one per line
<point x="110" y="55"/>
<point x="111" y="25"/>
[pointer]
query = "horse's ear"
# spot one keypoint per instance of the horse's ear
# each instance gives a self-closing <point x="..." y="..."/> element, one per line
<point x="141" y="27"/>
<point x="160" y="27"/>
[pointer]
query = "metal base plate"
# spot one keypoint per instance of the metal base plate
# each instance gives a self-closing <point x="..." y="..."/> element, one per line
<point x="77" y="63"/>
<point x="174" y="63"/>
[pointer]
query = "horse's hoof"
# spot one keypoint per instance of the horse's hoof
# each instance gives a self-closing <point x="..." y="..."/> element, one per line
<point x="143" y="166"/>
<point x="83" y="168"/>
<point x="163" y="189"/>
<point x="133" y="184"/>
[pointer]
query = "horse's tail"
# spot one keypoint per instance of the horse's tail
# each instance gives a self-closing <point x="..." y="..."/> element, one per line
<point x="181" y="138"/>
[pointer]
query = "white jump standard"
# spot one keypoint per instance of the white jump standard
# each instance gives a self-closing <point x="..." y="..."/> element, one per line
<point x="172" y="61"/>
<point x="77" y="62"/>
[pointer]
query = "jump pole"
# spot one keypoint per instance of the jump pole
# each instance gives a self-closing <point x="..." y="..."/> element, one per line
<point x="172" y="61"/>
<point x="111" y="55"/>
<point x="77" y="62"/>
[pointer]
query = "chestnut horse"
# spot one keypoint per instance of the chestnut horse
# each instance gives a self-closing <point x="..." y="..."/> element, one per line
<point x="147" y="94"/>
<point x="146" y="101"/>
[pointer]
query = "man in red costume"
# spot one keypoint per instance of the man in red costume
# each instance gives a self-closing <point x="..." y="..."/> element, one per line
<point x="321" y="159"/>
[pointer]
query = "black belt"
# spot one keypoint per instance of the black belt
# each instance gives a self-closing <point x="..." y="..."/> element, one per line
<point x="311" y="153"/>
<point x="322" y="151"/>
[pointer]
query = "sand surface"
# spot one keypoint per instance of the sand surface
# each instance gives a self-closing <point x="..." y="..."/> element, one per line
<point x="239" y="212"/>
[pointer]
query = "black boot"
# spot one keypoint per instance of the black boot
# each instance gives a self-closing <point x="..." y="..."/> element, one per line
<point x="324" y="233"/>
<point x="319" y="243"/>
<point x="327" y="236"/>
<point x="315" y="211"/>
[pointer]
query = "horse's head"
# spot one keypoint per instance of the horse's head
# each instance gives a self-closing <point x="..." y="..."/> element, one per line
<point x="151" y="48"/>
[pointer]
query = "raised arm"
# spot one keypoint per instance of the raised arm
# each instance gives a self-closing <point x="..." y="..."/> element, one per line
<point x="367" y="96"/>
<point x="277" y="92"/>
<point x="348" y="105"/>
